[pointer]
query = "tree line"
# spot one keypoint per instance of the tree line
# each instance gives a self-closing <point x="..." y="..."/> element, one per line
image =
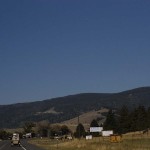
<point x="121" y="121"/>
<point x="40" y="129"/>
<point x="126" y="120"/>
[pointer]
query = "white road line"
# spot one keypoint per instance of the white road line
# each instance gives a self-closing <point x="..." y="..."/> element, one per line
<point x="23" y="147"/>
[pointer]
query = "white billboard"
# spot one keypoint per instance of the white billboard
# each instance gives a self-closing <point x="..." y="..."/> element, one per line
<point x="107" y="133"/>
<point x="96" y="129"/>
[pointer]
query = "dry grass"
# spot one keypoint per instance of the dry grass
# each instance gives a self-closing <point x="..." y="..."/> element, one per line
<point x="129" y="143"/>
<point x="85" y="119"/>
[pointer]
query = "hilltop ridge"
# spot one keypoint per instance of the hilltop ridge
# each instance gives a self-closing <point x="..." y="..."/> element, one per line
<point x="64" y="108"/>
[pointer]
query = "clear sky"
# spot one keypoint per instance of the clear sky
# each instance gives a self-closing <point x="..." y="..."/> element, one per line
<point x="53" y="48"/>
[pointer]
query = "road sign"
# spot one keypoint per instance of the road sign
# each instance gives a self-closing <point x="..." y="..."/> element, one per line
<point x="96" y="129"/>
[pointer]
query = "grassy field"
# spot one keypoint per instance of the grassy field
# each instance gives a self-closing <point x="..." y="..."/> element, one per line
<point x="128" y="143"/>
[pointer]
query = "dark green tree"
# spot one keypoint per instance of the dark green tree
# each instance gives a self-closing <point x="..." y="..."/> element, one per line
<point x="4" y="135"/>
<point x="148" y="117"/>
<point x="28" y="127"/>
<point x="43" y="128"/>
<point x="65" y="130"/>
<point x="133" y="118"/>
<point x="138" y="119"/>
<point x="142" y="122"/>
<point x="80" y="131"/>
<point x="124" y="120"/>
<point x="110" y="122"/>
<point x="94" y="123"/>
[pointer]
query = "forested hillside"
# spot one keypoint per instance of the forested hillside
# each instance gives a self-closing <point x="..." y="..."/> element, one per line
<point x="64" y="108"/>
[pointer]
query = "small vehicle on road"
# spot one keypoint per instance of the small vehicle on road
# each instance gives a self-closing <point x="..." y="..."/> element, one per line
<point x="15" y="139"/>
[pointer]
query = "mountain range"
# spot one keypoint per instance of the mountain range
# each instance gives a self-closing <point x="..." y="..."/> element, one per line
<point x="64" y="108"/>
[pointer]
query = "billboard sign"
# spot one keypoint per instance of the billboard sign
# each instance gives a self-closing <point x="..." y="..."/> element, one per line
<point x="96" y="129"/>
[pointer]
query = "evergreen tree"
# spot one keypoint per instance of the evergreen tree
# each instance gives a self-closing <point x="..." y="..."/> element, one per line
<point x="133" y="118"/>
<point x="124" y="120"/>
<point x="94" y="123"/>
<point x="139" y="119"/>
<point x="80" y="131"/>
<point x="148" y="117"/>
<point x="142" y="118"/>
<point x="110" y="123"/>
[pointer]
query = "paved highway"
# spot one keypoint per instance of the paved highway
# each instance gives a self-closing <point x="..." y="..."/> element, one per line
<point x="6" y="145"/>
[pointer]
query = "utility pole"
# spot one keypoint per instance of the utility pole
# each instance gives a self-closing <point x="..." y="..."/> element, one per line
<point x="79" y="126"/>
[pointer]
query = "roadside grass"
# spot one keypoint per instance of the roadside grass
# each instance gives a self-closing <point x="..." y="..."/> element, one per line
<point x="128" y="143"/>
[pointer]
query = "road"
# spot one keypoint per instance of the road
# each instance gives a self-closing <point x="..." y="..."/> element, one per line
<point x="6" y="145"/>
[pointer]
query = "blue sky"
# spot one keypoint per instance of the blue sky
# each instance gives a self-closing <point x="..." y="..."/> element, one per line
<point x="53" y="48"/>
